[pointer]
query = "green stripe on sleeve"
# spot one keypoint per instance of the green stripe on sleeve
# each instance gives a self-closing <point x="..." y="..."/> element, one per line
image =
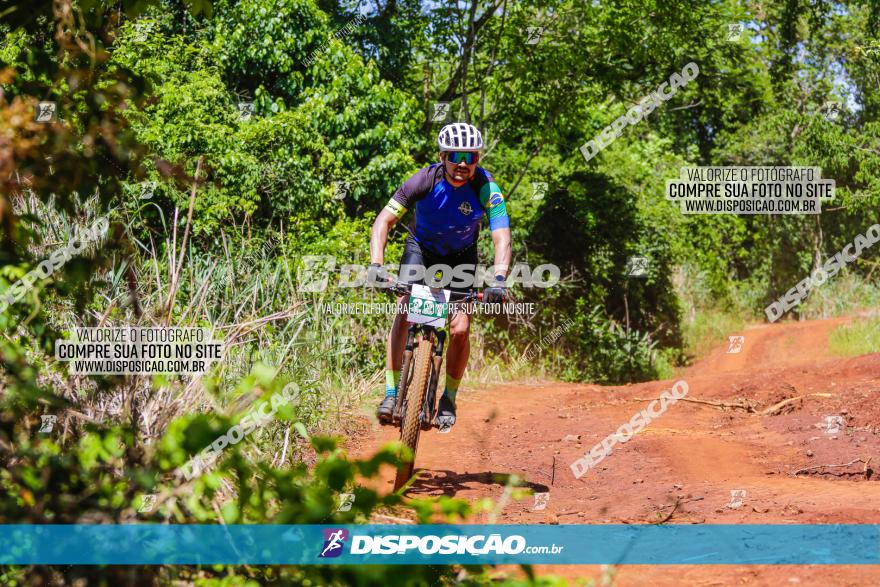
<point x="395" y="208"/>
<point x="492" y="200"/>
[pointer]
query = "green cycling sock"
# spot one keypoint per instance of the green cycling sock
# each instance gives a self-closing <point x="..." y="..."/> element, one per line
<point x="392" y="378"/>
<point x="452" y="387"/>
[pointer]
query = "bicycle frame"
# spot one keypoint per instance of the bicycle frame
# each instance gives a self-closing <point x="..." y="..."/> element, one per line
<point x="419" y="373"/>
<point x="437" y="336"/>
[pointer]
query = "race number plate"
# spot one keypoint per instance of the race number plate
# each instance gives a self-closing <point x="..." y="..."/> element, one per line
<point x="428" y="306"/>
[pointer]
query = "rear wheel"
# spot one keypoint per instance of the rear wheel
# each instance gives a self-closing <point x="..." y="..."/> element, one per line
<point x="415" y="398"/>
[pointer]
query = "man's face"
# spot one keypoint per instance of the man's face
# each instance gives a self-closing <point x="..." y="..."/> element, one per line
<point x="459" y="173"/>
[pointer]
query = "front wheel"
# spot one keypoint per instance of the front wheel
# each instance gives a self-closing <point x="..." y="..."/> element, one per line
<point x="415" y="398"/>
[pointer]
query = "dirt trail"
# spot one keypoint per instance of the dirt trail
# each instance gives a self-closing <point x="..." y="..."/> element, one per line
<point x="692" y="451"/>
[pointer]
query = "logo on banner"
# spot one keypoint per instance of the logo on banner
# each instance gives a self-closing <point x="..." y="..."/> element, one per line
<point x="47" y="423"/>
<point x="541" y="501"/>
<point x="441" y="112"/>
<point x="245" y="110"/>
<point x="833" y="424"/>
<point x="534" y="34"/>
<point x="539" y="190"/>
<point x="147" y="503"/>
<point x="637" y="266"/>
<point x="346" y="500"/>
<point x="333" y="542"/>
<point x="737" y="496"/>
<point x="735" y="31"/>
<point x="735" y="344"/>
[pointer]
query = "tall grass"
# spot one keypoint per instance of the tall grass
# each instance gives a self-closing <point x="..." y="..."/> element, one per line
<point x="706" y="320"/>
<point x="844" y="295"/>
<point x="249" y="297"/>
<point x="857" y="338"/>
<point x="244" y="291"/>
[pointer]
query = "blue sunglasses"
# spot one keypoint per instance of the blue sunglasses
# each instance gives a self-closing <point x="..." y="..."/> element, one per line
<point x="467" y="157"/>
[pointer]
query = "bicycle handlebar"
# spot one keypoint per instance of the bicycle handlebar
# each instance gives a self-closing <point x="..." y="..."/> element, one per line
<point x="402" y="287"/>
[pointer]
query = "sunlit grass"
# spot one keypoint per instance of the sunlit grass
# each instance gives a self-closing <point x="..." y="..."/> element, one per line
<point x="846" y="294"/>
<point x="709" y="328"/>
<point x="857" y="338"/>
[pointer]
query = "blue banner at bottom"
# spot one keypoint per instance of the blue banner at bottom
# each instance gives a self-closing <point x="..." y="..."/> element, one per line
<point x="146" y="544"/>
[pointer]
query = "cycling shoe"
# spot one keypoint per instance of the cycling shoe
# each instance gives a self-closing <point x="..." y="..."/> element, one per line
<point x="385" y="410"/>
<point x="445" y="413"/>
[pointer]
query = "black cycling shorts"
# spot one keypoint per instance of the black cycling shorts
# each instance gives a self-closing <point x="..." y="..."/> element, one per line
<point x="414" y="255"/>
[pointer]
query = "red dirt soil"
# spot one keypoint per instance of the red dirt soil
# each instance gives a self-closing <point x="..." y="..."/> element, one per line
<point x="694" y="453"/>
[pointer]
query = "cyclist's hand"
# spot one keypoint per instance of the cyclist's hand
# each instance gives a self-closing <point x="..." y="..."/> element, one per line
<point x="496" y="293"/>
<point x="378" y="277"/>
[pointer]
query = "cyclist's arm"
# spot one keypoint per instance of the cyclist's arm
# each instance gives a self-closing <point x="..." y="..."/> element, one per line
<point x="379" y="235"/>
<point x="403" y="199"/>
<point x="499" y="223"/>
<point x="503" y="251"/>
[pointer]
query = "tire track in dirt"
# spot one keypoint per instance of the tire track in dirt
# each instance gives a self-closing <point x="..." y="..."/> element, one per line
<point x="695" y="454"/>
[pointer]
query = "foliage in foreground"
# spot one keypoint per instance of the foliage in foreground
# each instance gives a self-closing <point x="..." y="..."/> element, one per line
<point x="103" y="476"/>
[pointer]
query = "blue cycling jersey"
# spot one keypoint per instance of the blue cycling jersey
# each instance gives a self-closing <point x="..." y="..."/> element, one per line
<point x="447" y="218"/>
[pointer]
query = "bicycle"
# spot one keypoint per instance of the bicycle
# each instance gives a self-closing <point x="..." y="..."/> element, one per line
<point x="416" y="403"/>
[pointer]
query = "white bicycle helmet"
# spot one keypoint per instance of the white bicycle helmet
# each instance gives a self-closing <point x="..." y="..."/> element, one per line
<point x="460" y="136"/>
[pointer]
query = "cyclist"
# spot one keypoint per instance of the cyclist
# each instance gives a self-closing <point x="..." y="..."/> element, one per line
<point x="449" y="199"/>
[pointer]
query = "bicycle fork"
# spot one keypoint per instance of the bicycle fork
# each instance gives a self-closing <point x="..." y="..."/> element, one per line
<point x="405" y="367"/>
<point x="429" y="410"/>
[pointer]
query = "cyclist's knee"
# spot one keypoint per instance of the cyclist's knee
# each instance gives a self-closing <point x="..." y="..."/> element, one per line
<point x="460" y="328"/>
<point x="398" y="326"/>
